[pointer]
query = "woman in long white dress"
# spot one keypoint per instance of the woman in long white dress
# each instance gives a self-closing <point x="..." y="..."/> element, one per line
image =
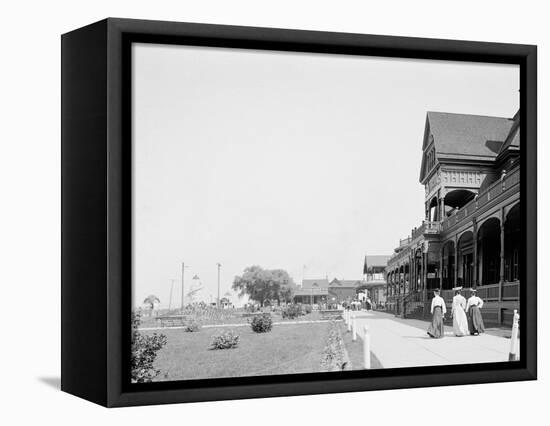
<point x="460" y="322"/>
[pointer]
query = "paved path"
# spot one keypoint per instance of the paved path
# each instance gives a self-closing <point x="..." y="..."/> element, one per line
<point x="400" y="342"/>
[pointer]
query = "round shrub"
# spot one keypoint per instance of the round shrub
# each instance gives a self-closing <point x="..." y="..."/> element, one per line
<point x="292" y="311"/>
<point x="262" y="323"/>
<point x="308" y="309"/>
<point x="225" y="340"/>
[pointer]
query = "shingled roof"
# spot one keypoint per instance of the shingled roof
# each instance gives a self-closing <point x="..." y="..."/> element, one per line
<point x="315" y="283"/>
<point x="512" y="140"/>
<point x="465" y="136"/>
<point x="377" y="260"/>
<point x="344" y="283"/>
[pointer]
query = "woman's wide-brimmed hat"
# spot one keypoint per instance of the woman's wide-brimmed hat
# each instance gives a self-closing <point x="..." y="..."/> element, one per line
<point x="436" y="290"/>
<point x="457" y="288"/>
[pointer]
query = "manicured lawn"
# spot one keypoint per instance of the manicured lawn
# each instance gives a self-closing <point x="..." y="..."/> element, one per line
<point x="287" y="349"/>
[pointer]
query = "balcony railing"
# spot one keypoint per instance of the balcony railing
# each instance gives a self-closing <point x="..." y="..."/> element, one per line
<point x="433" y="227"/>
<point x="510" y="290"/>
<point x="488" y="293"/>
<point x="427" y="227"/>
<point x="496" y="189"/>
<point x="405" y="242"/>
<point x="398" y="256"/>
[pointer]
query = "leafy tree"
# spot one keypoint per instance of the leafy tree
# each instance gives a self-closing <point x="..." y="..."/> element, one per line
<point x="151" y="300"/>
<point x="262" y="285"/>
<point x="144" y="352"/>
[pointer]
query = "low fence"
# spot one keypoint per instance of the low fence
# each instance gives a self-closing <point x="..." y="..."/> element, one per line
<point x="489" y="293"/>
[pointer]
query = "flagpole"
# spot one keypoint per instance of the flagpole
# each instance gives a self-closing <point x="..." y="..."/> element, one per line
<point x="219" y="266"/>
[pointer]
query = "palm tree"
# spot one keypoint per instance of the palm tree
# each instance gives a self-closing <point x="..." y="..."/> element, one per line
<point x="151" y="300"/>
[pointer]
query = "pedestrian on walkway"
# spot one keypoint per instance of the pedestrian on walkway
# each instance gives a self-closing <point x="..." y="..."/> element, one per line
<point x="460" y="322"/>
<point x="473" y="309"/>
<point x="438" y="310"/>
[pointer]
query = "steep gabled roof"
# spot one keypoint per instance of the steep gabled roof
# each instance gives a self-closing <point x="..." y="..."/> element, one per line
<point x="512" y="140"/>
<point x="315" y="283"/>
<point x="344" y="283"/>
<point x="464" y="136"/>
<point x="377" y="260"/>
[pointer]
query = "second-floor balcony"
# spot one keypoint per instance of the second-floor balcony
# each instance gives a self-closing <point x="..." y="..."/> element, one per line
<point x="492" y="194"/>
<point x="404" y="242"/>
<point x="427" y="227"/>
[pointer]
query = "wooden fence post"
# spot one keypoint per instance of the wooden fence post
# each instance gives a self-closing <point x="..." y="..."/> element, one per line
<point x="514" y="341"/>
<point x="366" y="348"/>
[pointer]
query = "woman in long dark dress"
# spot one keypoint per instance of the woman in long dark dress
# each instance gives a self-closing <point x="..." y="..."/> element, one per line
<point x="438" y="310"/>
<point x="473" y="311"/>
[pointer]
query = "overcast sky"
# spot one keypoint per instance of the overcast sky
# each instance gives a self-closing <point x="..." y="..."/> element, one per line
<point x="282" y="160"/>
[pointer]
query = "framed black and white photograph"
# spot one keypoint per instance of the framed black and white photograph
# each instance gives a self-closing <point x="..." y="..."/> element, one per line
<point x="252" y="212"/>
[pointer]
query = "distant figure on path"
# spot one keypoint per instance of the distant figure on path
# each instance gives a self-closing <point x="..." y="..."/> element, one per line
<point x="437" y="329"/>
<point x="460" y="322"/>
<point x="473" y="309"/>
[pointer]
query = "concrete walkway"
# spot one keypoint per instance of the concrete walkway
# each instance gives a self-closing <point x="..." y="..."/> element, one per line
<point x="400" y="342"/>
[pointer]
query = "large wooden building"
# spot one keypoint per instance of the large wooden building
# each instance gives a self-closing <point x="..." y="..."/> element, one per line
<point x="470" y="235"/>
<point x="374" y="279"/>
<point x="321" y="291"/>
<point x="312" y="291"/>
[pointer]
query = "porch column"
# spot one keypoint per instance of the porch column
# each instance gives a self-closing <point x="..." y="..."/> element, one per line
<point x="441" y="267"/>
<point x="416" y="273"/>
<point x="407" y="278"/>
<point x="424" y="270"/>
<point x="501" y="281"/>
<point x="413" y="271"/>
<point x="423" y="280"/>
<point x="474" y="272"/>
<point x="411" y="274"/>
<point x="417" y="265"/>
<point x="456" y="263"/>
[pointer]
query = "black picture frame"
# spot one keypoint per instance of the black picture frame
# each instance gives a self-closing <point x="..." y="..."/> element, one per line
<point x="96" y="211"/>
